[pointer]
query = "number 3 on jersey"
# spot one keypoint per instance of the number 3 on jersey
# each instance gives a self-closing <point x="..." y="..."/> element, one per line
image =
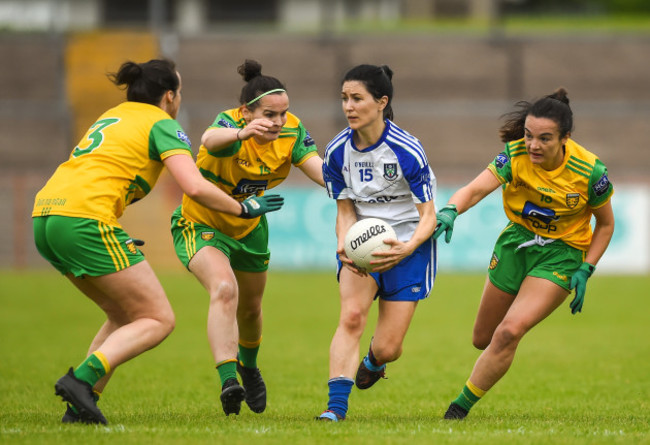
<point x="365" y="174"/>
<point x="95" y="137"/>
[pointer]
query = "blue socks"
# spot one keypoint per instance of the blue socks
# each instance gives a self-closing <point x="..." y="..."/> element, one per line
<point x="339" y="392"/>
<point x="368" y="363"/>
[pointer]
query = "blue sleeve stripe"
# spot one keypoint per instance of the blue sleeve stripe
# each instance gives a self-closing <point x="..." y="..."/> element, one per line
<point x="408" y="143"/>
<point x="334" y="143"/>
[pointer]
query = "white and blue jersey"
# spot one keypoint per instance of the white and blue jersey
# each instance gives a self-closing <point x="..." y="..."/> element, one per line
<point x="384" y="181"/>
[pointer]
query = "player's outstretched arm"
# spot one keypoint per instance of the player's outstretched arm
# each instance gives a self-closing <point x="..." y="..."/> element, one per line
<point x="195" y="186"/>
<point x="464" y="199"/>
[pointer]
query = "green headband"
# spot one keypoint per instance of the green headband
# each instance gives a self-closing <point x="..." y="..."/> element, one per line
<point x="277" y="90"/>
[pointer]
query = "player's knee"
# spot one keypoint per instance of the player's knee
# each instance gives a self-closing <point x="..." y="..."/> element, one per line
<point x="249" y="313"/>
<point x="481" y="340"/>
<point x="167" y="322"/>
<point x="507" y="335"/>
<point x="387" y="353"/>
<point x="353" y="321"/>
<point x="223" y="293"/>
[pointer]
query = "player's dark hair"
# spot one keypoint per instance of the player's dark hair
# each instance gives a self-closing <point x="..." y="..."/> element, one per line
<point x="147" y="82"/>
<point x="378" y="82"/>
<point x="256" y="83"/>
<point x="554" y="106"/>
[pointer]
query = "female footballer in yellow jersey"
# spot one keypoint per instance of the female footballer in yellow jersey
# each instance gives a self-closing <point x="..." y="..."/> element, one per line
<point x="76" y="223"/>
<point x="551" y="188"/>
<point x="246" y="151"/>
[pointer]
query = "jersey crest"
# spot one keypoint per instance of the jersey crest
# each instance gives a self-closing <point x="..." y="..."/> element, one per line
<point x="390" y="171"/>
<point x="572" y="199"/>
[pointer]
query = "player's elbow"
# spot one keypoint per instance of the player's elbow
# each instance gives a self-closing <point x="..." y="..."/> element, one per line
<point x="194" y="190"/>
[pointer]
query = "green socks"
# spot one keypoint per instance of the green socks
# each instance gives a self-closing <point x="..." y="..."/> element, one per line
<point x="227" y="370"/>
<point x="248" y="353"/>
<point x="247" y="356"/>
<point x="93" y="368"/>
<point x="469" y="396"/>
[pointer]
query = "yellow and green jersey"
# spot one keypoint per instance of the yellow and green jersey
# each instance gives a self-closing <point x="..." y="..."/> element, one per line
<point x="247" y="168"/>
<point x="553" y="204"/>
<point x="117" y="162"/>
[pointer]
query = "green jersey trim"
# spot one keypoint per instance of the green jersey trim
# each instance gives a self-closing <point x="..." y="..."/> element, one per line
<point x="214" y="178"/>
<point x="303" y="146"/>
<point x="224" y="120"/>
<point x="600" y="189"/>
<point x="579" y="166"/>
<point x="166" y="135"/>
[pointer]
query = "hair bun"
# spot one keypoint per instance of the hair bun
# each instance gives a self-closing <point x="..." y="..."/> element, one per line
<point x="386" y="69"/>
<point x="250" y="69"/>
<point x="561" y="95"/>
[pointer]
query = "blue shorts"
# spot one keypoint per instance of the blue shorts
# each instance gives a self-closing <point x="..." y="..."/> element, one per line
<point x="412" y="279"/>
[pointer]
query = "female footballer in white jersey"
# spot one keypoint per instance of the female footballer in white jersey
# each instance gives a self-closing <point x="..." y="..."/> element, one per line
<point x="551" y="188"/>
<point x="373" y="168"/>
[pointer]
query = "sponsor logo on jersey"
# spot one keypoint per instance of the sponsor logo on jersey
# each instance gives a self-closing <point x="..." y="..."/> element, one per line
<point x="183" y="137"/>
<point x="540" y="217"/>
<point x="379" y="199"/>
<point x="543" y="214"/>
<point x="308" y="141"/>
<point x="602" y="186"/>
<point x="501" y="160"/>
<point x="207" y="236"/>
<point x="493" y="262"/>
<point x="390" y="171"/>
<point x="250" y="187"/>
<point x="572" y="199"/>
<point x="225" y="123"/>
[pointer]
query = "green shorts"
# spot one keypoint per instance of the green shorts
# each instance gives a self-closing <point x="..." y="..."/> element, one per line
<point x="509" y="265"/>
<point x="249" y="254"/>
<point x="83" y="246"/>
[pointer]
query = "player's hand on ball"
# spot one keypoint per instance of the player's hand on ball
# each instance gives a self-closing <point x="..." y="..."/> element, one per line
<point x="349" y="264"/>
<point x="579" y="282"/>
<point x="388" y="259"/>
<point x="364" y="239"/>
<point x="255" y="206"/>
<point x="445" y="217"/>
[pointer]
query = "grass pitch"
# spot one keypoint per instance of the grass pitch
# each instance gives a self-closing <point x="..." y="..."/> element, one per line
<point x="575" y="379"/>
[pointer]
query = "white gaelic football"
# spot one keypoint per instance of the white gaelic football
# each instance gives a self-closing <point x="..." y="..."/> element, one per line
<point x="366" y="237"/>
